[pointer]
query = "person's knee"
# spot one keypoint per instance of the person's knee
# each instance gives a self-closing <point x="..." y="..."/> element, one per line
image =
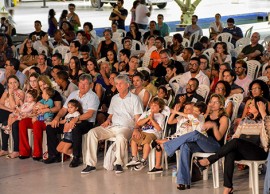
<point x="50" y="130"/>
<point x="120" y="138"/>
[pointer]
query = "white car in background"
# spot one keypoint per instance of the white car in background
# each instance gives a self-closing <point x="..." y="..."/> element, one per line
<point x="159" y="3"/>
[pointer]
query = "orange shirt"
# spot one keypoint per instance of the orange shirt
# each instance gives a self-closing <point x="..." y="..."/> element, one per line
<point x="155" y="58"/>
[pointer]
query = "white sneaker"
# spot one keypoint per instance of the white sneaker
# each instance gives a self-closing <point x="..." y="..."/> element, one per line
<point x="133" y="163"/>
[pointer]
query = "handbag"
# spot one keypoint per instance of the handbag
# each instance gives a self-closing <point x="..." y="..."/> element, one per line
<point x="255" y="139"/>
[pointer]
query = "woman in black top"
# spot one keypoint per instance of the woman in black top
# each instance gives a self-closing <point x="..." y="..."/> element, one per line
<point x="106" y="44"/>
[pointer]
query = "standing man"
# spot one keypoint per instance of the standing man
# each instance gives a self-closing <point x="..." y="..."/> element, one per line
<point x="36" y="34"/>
<point x="142" y="14"/>
<point x="234" y="30"/>
<point x="124" y="111"/>
<point x="79" y="125"/>
<point x="162" y="27"/>
<point x="119" y="15"/>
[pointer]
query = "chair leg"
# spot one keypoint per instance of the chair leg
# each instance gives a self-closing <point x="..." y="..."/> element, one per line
<point x="177" y="153"/>
<point x="215" y="172"/>
<point x="255" y="178"/>
<point x="151" y="159"/>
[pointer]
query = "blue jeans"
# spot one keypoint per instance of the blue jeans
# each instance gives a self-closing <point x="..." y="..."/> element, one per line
<point x="188" y="144"/>
<point x="266" y="189"/>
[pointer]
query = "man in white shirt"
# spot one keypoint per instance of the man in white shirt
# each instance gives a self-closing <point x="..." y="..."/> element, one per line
<point x="79" y="125"/>
<point x="242" y="79"/>
<point x="142" y="14"/>
<point x="194" y="72"/>
<point x="124" y="111"/>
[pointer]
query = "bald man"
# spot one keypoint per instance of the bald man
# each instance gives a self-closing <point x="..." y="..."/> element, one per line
<point x="254" y="50"/>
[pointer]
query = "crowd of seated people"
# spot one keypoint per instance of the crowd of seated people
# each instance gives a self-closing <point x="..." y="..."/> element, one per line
<point x="117" y="86"/>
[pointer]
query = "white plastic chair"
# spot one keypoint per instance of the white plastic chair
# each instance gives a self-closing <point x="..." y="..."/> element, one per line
<point x="152" y="155"/>
<point x="253" y="68"/>
<point x="253" y="173"/>
<point x="61" y="49"/>
<point x="209" y="52"/>
<point x="263" y="78"/>
<point x="185" y="42"/>
<point x="17" y="51"/>
<point x="249" y="32"/>
<point x="134" y="43"/>
<point x="27" y="69"/>
<point x="224" y="37"/>
<point x="242" y="42"/>
<point x="101" y="60"/>
<point x="194" y="37"/>
<point x="237" y="100"/>
<point x="175" y="83"/>
<point x="215" y="166"/>
<point x="144" y="68"/>
<point x="203" y="90"/>
<point x="168" y="39"/>
<point x="264" y="67"/>
<point x="122" y="32"/>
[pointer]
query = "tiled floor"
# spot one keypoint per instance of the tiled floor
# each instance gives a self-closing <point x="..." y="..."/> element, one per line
<point x="31" y="177"/>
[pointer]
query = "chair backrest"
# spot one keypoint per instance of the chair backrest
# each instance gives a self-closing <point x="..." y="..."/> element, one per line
<point x="203" y="90"/>
<point x="134" y="43"/>
<point x="237" y="51"/>
<point x="224" y="37"/>
<point x="209" y="52"/>
<point x="101" y="60"/>
<point x="42" y="50"/>
<point x="122" y="32"/>
<point x="237" y="100"/>
<point x="263" y="78"/>
<point x="62" y="50"/>
<point x="175" y="83"/>
<point x="27" y="69"/>
<point x="168" y="39"/>
<point x="249" y="32"/>
<point x="242" y="42"/>
<point x="264" y="67"/>
<point x="230" y="46"/>
<point x="150" y="97"/>
<point x="185" y="42"/>
<point x="194" y="38"/>
<point x="144" y="68"/>
<point x="253" y="68"/>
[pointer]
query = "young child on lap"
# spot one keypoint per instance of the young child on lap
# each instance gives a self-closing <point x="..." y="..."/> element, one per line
<point x="74" y="110"/>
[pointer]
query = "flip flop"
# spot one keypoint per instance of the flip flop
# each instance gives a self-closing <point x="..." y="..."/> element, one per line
<point x="11" y="156"/>
<point x="3" y="154"/>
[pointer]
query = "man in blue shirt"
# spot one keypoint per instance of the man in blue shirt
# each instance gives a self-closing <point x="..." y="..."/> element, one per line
<point x="234" y="30"/>
<point x="162" y="27"/>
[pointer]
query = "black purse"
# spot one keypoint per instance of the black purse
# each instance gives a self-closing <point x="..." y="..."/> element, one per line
<point x="255" y="139"/>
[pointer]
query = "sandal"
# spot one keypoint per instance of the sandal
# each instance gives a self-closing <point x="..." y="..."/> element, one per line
<point x="13" y="155"/>
<point x="3" y="153"/>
